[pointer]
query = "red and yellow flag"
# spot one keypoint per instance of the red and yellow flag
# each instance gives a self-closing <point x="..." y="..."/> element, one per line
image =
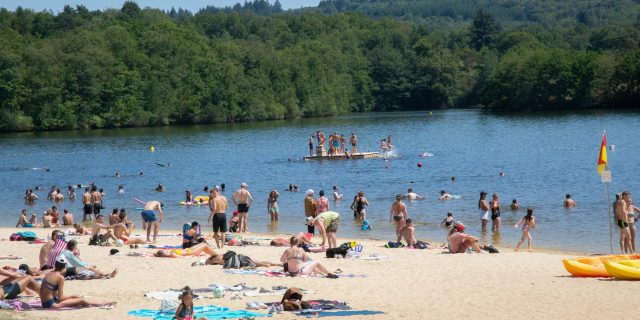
<point x="602" y="159"/>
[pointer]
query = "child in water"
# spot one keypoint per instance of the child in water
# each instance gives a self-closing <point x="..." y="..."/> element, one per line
<point x="528" y="222"/>
<point x="448" y="221"/>
<point x="185" y="309"/>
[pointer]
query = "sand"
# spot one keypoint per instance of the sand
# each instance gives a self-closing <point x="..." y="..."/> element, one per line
<point x="413" y="284"/>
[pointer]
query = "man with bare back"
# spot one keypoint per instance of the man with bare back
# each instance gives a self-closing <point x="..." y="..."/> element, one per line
<point x="149" y="217"/>
<point x="242" y="198"/>
<point x="218" y="216"/>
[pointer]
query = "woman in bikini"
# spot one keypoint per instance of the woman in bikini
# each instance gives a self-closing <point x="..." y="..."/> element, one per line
<point x="298" y="262"/>
<point x="272" y="204"/>
<point x="193" y="251"/>
<point x="528" y="222"/>
<point x="399" y="214"/>
<point x="52" y="291"/>
<point x="495" y="214"/>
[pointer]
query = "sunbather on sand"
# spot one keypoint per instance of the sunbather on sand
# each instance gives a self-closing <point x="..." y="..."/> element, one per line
<point x="46" y="248"/>
<point x="15" y="283"/>
<point x="75" y="265"/>
<point x="52" y="291"/>
<point x="245" y="262"/>
<point x="298" y="262"/>
<point x="193" y="251"/>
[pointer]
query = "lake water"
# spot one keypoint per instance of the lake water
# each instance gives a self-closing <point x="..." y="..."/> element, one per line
<point x="543" y="157"/>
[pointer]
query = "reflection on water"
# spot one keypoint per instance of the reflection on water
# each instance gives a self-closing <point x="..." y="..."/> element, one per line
<point x="544" y="157"/>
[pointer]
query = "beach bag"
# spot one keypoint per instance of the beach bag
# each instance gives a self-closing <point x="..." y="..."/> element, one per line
<point x="96" y="240"/>
<point x="231" y="260"/>
<point x="392" y="244"/>
<point x="292" y="299"/>
<point x="15" y="237"/>
<point x="245" y="261"/>
<point x="421" y="245"/>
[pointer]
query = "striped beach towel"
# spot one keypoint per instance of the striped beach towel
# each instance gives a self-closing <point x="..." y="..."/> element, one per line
<point x="53" y="254"/>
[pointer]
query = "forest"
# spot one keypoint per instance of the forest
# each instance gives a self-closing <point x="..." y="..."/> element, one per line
<point x="82" y="69"/>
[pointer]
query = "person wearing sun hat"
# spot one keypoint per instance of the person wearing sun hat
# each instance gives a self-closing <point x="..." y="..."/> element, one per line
<point x="459" y="242"/>
<point x="310" y="209"/>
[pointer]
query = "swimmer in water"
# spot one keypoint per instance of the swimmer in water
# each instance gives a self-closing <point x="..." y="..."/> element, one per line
<point x="412" y="195"/>
<point x="448" y="221"/>
<point x="160" y="188"/>
<point x="515" y="205"/>
<point x="117" y="174"/>
<point x="120" y="189"/>
<point x="444" y="195"/>
<point x="568" y="202"/>
<point x="453" y="179"/>
<point x="501" y="174"/>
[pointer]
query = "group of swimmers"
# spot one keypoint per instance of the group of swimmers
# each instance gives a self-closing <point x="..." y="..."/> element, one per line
<point x="337" y="143"/>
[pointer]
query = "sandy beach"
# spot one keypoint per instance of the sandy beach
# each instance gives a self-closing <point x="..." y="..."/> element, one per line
<point x="412" y="284"/>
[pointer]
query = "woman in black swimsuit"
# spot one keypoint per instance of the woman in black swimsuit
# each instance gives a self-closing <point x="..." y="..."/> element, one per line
<point x="495" y="214"/>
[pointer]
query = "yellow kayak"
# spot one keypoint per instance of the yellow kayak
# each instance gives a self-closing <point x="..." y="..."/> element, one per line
<point x="593" y="266"/>
<point x="624" y="269"/>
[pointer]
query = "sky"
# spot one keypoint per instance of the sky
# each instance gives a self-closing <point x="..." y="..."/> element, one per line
<point x="191" y="5"/>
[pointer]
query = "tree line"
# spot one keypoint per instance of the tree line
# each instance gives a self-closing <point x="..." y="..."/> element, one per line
<point x="81" y="69"/>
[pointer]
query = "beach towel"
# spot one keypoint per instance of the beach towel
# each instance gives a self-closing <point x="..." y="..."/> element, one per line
<point x="151" y="246"/>
<point x="167" y="295"/>
<point x="53" y="254"/>
<point x="210" y="312"/>
<point x="340" y="313"/>
<point x="282" y="274"/>
<point x="375" y="257"/>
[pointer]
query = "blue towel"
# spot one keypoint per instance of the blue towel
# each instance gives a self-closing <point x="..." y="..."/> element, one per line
<point x="210" y="312"/>
<point x="341" y="313"/>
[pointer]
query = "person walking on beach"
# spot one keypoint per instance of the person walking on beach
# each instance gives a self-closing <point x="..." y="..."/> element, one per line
<point x="483" y="205"/>
<point x="218" y="217"/>
<point x="495" y="213"/>
<point x="568" y="202"/>
<point x="528" y="222"/>
<point x="399" y="214"/>
<point x="243" y="199"/>
<point x="87" y="207"/>
<point x="96" y="200"/>
<point x="149" y="218"/>
<point x="621" y="213"/>
<point x="354" y="143"/>
<point x="358" y="206"/>
<point x="311" y="146"/>
<point x="310" y="209"/>
<point x="272" y="205"/>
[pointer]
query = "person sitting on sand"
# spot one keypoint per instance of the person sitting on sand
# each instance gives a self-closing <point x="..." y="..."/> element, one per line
<point x="568" y="202"/>
<point x="52" y="291"/>
<point x="234" y="222"/>
<point x="46" y="219"/>
<point x="34" y="220"/>
<point x="123" y="229"/>
<point x="185" y="309"/>
<point x="298" y="262"/>
<point x="444" y="195"/>
<point x="17" y="283"/>
<point x="190" y="237"/>
<point x="98" y="226"/>
<point x="459" y="242"/>
<point x="327" y="222"/>
<point x="75" y="265"/>
<point x="114" y="217"/>
<point x="448" y="221"/>
<point x="67" y="218"/>
<point x="409" y="233"/>
<point x="22" y="221"/>
<point x="47" y="247"/>
<point x="528" y="222"/>
<point x="515" y="205"/>
<point x="245" y="262"/>
<point x="193" y="251"/>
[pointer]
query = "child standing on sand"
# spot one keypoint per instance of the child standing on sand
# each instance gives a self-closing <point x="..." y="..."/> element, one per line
<point x="528" y="222"/>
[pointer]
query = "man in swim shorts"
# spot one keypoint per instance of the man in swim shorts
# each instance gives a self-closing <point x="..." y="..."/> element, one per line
<point x="96" y="200"/>
<point x="327" y="222"/>
<point x="243" y="199"/>
<point x="623" y="222"/>
<point x="87" y="209"/>
<point x="218" y="216"/>
<point x="149" y="218"/>
<point x="354" y="143"/>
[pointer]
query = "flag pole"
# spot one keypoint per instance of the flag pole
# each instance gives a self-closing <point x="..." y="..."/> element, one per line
<point x="609" y="211"/>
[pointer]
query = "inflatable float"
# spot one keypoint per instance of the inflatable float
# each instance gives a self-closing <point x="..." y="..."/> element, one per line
<point x="197" y="201"/>
<point x="623" y="269"/>
<point x="593" y="266"/>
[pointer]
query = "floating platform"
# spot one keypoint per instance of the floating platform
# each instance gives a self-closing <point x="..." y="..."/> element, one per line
<point x="362" y="155"/>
